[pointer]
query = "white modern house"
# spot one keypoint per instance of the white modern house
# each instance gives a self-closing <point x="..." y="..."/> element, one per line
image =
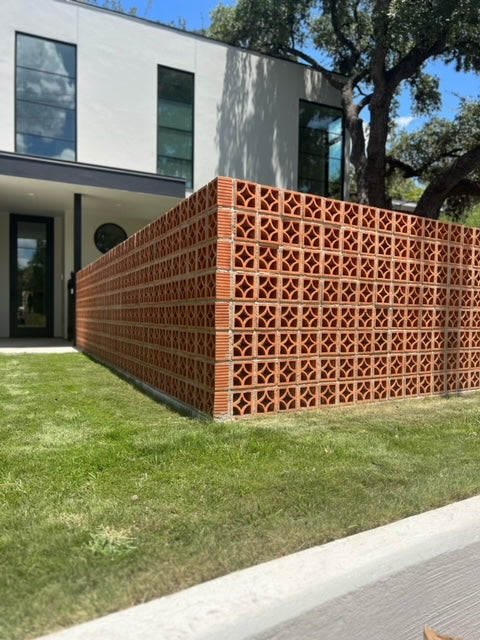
<point x="107" y="120"/>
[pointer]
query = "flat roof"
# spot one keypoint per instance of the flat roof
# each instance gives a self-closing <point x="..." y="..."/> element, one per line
<point x="38" y="168"/>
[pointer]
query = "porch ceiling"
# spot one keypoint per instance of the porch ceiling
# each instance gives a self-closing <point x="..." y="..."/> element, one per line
<point x="26" y="195"/>
<point x="43" y="186"/>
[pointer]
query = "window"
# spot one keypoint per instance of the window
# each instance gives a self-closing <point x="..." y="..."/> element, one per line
<point x="320" y="157"/>
<point x="45" y="98"/>
<point x="175" y="124"/>
<point x="108" y="235"/>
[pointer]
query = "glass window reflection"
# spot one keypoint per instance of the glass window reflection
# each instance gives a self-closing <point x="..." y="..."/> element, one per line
<point x="45" y="98"/>
<point x="31" y="275"/>
<point x="38" y="86"/>
<point x="175" y="124"/>
<point x="320" y="159"/>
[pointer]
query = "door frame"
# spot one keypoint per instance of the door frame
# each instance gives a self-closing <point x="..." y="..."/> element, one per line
<point x="31" y="332"/>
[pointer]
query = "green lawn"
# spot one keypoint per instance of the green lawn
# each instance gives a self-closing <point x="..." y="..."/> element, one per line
<point x="108" y="499"/>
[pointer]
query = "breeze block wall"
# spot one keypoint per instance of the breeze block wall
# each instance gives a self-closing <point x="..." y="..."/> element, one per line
<point x="246" y="299"/>
<point x="149" y="306"/>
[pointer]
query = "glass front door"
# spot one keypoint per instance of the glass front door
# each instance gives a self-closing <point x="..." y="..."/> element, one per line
<point x="31" y="276"/>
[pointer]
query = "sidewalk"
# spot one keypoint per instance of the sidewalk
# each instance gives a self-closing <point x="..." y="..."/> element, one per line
<point x="10" y="346"/>
<point x="387" y="583"/>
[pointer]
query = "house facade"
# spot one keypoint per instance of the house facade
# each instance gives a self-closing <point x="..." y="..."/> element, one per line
<point x="108" y="120"/>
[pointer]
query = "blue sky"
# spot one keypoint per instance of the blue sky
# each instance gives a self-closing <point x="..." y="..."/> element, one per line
<point x="197" y="16"/>
<point x="195" y="12"/>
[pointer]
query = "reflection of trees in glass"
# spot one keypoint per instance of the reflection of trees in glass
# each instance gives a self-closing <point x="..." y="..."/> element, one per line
<point x="175" y="124"/>
<point x="31" y="286"/>
<point x="320" y="161"/>
<point x="46" y="97"/>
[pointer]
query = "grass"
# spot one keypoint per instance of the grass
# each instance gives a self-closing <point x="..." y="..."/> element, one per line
<point x="108" y="499"/>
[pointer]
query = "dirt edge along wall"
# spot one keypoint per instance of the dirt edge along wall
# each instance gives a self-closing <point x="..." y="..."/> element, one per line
<point x="303" y="302"/>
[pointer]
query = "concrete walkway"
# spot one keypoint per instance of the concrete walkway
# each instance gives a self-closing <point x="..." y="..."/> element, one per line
<point x="384" y="584"/>
<point x="10" y="346"/>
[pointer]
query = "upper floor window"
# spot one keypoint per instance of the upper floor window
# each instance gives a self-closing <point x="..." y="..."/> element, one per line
<point x="320" y="157"/>
<point x="175" y="124"/>
<point x="45" y="98"/>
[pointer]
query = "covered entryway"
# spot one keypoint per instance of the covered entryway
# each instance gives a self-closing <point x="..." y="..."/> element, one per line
<point x="55" y="218"/>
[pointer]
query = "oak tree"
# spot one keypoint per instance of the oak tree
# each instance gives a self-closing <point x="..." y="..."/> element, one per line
<point x="378" y="47"/>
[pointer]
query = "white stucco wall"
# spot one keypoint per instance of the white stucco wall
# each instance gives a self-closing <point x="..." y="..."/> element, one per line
<point x="91" y="222"/>
<point x="245" y="113"/>
<point x="246" y="105"/>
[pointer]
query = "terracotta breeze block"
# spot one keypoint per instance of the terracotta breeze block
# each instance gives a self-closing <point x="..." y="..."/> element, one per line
<point x="245" y="299"/>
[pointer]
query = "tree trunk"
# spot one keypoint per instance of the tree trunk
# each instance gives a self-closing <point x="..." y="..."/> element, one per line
<point x="377" y="141"/>
<point x="358" y="156"/>
<point x="430" y="204"/>
<point x="379" y="107"/>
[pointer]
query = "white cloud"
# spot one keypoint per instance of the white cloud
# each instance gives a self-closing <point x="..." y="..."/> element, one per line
<point x="40" y="90"/>
<point x="403" y="122"/>
<point x="67" y="154"/>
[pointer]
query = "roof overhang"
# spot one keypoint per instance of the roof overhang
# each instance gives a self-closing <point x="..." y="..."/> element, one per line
<point x="30" y="184"/>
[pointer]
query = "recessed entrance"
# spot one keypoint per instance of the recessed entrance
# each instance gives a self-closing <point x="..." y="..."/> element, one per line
<point x="31" y="276"/>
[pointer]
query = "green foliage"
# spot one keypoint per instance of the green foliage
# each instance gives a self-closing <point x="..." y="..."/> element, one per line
<point x="473" y="218"/>
<point x="269" y="26"/>
<point x="113" y="5"/>
<point x="425" y="92"/>
<point x="469" y="217"/>
<point x="428" y="154"/>
<point x="378" y="46"/>
<point x="403" y="189"/>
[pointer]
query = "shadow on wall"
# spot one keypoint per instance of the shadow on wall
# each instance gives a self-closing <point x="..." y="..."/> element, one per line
<point x="254" y="142"/>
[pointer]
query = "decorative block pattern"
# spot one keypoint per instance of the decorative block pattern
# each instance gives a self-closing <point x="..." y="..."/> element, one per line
<point x="149" y="307"/>
<point x="246" y="299"/>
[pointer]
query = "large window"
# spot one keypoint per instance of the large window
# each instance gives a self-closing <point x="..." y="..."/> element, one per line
<point x="320" y="157"/>
<point x="175" y="124"/>
<point x="45" y="98"/>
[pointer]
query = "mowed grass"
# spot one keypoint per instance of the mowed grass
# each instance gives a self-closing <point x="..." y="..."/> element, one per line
<point x="109" y="499"/>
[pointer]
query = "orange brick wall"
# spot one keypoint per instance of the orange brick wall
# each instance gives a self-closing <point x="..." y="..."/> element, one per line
<point x="248" y="300"/>
<point x="148" y="307"/>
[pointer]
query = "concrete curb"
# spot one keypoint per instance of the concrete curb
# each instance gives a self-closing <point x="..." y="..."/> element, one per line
<point x="260" y="599"/>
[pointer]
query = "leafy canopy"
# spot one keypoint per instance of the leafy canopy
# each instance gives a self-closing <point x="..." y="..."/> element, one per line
<point x="380" y="47"/>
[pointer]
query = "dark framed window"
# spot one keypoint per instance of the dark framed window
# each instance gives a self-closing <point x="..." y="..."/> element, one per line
<point x="45" y="117"/>
<point x="320" y="150"/>
<point x="175" y="124"/>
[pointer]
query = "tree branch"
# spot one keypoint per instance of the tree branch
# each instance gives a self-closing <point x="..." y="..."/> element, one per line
<point x="337" y="28"/>
<point x="379" y="54"/>
<point x="408" y="171"/>
<point x="364" y="102"/>
<point x="466" y="188"/>
<point x="413" y="60"/>
<point x="330" y="75"/>
<point x="442" y="186"/>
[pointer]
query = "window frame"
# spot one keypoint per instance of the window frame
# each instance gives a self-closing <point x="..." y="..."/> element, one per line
<point x="16" y="99"/>
<point x="325" y="158"/>
<point x="191" y="131"/>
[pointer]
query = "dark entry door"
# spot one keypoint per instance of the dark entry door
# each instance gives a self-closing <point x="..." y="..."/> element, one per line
<point x="31" y="276"/>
